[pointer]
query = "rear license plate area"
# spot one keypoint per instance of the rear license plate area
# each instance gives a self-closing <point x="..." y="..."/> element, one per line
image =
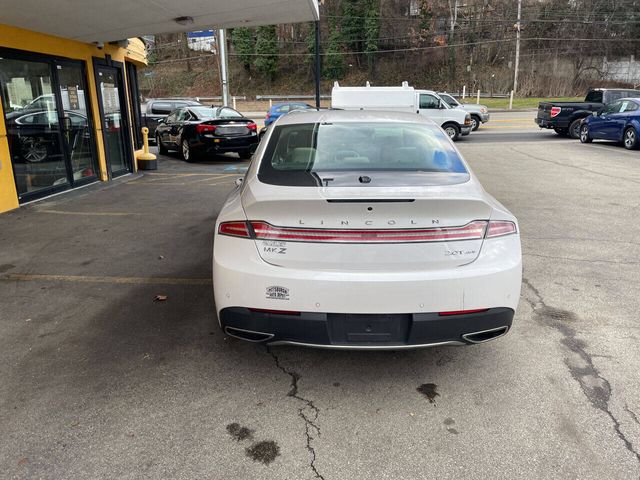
<point x="368" y="329"/>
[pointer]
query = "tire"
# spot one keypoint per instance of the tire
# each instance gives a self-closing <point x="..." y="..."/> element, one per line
<point x="475" y="123"/>
<point x="162" y="150"/>
<point x="630" y="138"/>
<point x="185" y="151"/>
<point x="560" y="131"/>
<point x="574" y="128"/>
<point x="245" y="154"/>
<point x="452" y="130"/>
<point x="584" y="134"/>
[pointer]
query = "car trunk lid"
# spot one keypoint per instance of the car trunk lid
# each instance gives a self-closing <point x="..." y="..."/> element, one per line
<point x="414" y="229"/>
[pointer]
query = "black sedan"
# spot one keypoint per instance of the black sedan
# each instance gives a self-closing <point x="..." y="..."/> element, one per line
<point x="195" y="131"/>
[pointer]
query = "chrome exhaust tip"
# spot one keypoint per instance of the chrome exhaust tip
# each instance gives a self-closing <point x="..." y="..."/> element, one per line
<point x="485" y="335"/>
<point x="248" y="335"/>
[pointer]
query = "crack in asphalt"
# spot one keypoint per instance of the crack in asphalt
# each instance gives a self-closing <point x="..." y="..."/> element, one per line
<point x="594" y="386"/>
<point x="310" y="424"/>
<point x="632" y="413"/>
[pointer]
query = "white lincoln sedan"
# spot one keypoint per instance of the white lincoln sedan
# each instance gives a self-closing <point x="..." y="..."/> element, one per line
<point x="364" y="230"/>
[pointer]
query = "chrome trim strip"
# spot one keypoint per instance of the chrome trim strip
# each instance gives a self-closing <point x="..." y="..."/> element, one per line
<point x="268" y="336"/>
<point x="365" y="347"/>
<point x="504" y="327"/>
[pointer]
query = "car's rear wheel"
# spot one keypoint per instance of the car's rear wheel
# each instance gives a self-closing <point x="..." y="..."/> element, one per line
<point x="162" y="150"/>
<point x="584" y="134"/>
<point x="574" y="128"/>
<point x="630" y="138"/>
<point x="475" y="122"/>
<point x="186" y="152"/>
<point x="452" y="130"/>
<point x="560" y="131"/>
<point x="34" y="149"/>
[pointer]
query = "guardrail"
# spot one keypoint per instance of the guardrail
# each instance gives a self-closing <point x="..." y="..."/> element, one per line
<point x="291" y="97"/>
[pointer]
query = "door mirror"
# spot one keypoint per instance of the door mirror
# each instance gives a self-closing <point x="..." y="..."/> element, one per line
<point x="239" y="181"/>
<point x="595" y="114"/>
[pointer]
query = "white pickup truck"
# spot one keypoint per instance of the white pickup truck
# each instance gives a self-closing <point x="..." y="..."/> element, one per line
<point x="454" y="121"/>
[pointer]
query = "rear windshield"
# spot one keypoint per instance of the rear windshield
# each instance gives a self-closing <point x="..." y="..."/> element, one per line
<point x="360" y="154"/>
<point x="204" y="113"/>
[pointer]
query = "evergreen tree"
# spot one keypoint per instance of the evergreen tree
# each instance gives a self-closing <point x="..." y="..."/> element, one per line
<point x="244" y="44"/>
<point x="266" y="61"/>
<point x="371" y="32"/>
<point x="334" y="60"/>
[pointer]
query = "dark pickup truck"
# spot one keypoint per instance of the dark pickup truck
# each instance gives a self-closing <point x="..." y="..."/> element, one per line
<point x="565" y="117"/>
<point x="156" y="109"/>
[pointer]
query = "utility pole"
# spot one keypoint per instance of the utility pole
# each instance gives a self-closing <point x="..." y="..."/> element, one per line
<point x="518" y="27"/>
<point x="318" y="66"/>
<point x="222" y="55"/>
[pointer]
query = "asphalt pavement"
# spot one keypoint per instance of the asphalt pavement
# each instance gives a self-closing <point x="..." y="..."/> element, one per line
<point x="113" y="366"/>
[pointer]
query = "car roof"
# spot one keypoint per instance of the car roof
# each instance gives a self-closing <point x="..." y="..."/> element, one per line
<point x="372" y="116"/>
<point x="288" y="103"/>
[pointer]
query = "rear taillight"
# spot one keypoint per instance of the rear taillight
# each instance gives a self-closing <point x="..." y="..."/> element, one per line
<point x="252" y="126"/>
<point x="235" y="229"/>
<point x="204" y="128"/>
<point x="555" y="111"/>
<point x="476" y="230"/>
<point x="499" y="228"/>
<point x="462" y="312"/>
<point x="471" y="231"/>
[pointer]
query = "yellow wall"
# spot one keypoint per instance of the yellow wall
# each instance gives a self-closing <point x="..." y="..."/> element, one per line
<point x="20" y="39"/>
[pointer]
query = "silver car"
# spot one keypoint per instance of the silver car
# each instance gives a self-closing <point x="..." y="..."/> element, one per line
<point x="479" y="113"/>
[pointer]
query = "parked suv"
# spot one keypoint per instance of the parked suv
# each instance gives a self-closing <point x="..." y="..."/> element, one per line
<point x="479" y="113"/>
<point x="156" y="109"/>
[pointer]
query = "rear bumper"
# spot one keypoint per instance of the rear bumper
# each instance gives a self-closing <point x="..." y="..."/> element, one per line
<point x="325" y="298"/>
<point x="232" y="144"/>
<point x="544" y="123"/>
<point x="484" y="117"/>
<point x="365" y="331"/>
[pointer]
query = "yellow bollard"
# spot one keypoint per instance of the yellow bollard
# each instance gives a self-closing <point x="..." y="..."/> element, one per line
<point x="146" y="160"/>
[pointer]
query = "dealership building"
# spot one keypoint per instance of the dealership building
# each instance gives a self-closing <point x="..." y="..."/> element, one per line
<point x="69" y="110"/>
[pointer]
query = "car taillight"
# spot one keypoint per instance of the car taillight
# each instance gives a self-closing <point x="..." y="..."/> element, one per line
<point x="268" y="115"/>
<point x="235" y="229"/>
<point x="467" y="120"/>
<point x="204" y="128"/>
<point x="476" y="230"/>
<point x="555" y="111"/>
<point x="252" y="126"/>
<point x="462" y="312"/>
<point x="472" y="231"/>
<point x="499" y="228"/>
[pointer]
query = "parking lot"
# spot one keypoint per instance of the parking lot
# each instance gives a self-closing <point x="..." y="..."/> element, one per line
<point x="104" y="377"/>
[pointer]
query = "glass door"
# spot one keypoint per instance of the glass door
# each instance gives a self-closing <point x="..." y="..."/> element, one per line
<point x="33" y="127"/>
<point x="48" y="123"/>
<point x="75" y="122"/>
<point x="114" y="125"/>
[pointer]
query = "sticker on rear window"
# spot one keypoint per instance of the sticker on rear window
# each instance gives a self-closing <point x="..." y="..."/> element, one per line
<point x="277" y="293"/>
